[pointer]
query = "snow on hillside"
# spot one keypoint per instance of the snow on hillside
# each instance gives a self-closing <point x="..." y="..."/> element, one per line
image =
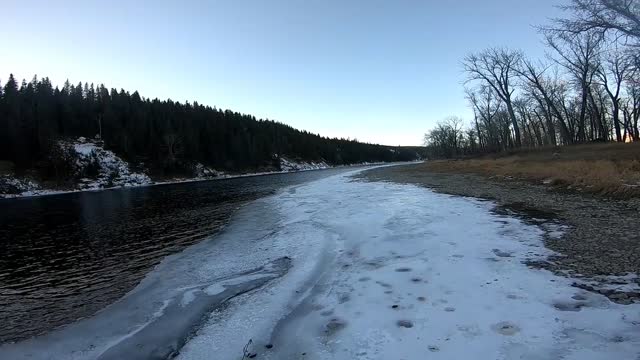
<point x="288" y="165"/>
<point x="204" y="172"/>
<point x="108" y="169"/>
<point x="95" y="168"/>
<point x="10" y="185"/>
<point x="92" y="166"/>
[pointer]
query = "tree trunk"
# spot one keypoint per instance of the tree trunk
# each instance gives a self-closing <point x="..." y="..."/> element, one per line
<point x="616" y="120"/>
<point x="514" y="122"/>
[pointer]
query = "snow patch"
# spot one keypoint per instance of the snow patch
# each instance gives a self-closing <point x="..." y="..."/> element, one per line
<point x="110" y="170"/>
<point x="203" y="172"/>
<point x="92" y="165"/>
<point x="288" y="165"/>
<point x="13" y="187"/>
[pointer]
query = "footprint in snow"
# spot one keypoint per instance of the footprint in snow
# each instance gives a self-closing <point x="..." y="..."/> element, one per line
<point x="403" y="269"/>
<point x="343" y="298"/>
<point x="501" y="253"/>
<point x="568" y="305"/>
<point x="404" y="323"/>
<point x="327" y="313"/>
<point x="579" y="297"/>
<point x="334" y="325"/>
<point x="505" y="328"/>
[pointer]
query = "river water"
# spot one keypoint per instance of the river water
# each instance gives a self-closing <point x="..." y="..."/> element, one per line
<point x="65" y="257"/>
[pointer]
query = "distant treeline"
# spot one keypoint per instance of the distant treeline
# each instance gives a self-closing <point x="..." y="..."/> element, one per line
<point x="166" y="136"/>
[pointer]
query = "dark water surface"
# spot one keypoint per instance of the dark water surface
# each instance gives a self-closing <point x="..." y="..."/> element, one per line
<point x="64" y="257"/>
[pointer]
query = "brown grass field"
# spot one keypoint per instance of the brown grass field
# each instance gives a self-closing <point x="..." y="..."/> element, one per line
<point x="611" y="169"/>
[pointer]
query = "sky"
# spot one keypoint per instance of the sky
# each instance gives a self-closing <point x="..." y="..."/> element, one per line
<point x="380" y="71"/>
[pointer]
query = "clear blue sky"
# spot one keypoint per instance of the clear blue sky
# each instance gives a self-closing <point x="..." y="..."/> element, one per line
<point x="379" y="71"/>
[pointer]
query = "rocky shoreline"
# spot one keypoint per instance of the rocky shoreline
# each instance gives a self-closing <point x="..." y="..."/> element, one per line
<point x="599" y="245"/>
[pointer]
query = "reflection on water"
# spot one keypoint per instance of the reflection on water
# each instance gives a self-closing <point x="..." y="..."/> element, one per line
<point x="65" y="257"/>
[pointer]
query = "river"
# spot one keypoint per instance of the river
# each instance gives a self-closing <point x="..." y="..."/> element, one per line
<point x="65" y="257"/>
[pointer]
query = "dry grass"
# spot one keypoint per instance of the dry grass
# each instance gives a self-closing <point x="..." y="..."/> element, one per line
<point x="607" y="169"/>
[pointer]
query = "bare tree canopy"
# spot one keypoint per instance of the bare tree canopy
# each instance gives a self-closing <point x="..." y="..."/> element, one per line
<point x="621" y="16"/>
<point x="496" y="68"/>
<point x="587" y="89"/>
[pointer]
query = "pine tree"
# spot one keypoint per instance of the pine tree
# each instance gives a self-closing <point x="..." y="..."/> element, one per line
<point x="169" y="137"/>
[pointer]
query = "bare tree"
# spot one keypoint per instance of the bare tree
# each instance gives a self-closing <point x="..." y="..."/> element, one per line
<point x="620" y="16"/>
<point x="530" y="123"/>
<point x="495" y="67"/>
<point x="486" y="106"/>
<point x="446" y="139"/>
<point x="611" y="74"/>
<point x="599" y="104"/>
<point x="547" y="92"/>
<point x="589" y="90"/>
<point x="579" y="55"/>
<point x="631" y="109"/>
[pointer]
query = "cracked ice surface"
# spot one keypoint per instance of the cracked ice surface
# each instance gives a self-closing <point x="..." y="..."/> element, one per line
<point x="399" y="272"/>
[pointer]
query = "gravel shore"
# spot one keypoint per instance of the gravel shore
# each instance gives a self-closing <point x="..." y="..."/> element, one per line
<point x="601" y="243"/>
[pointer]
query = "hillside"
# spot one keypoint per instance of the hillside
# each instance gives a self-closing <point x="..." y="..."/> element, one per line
<point x="154" y="139"/>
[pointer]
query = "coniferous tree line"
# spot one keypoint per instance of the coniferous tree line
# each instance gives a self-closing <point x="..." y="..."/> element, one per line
<point x="587" y="89"/>
<point x="166" y="136"/>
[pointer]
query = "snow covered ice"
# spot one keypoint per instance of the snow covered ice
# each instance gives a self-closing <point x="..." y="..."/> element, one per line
<point x="405" y="273"/>
<point x="377" y="271"/>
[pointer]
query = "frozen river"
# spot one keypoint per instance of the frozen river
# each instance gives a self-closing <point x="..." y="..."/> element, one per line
<point x="344" y="269"/>
<point x="64" y="257"/>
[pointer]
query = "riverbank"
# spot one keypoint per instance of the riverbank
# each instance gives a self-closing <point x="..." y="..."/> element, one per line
<point x="600" y="245"/>
<point x="606" y="169"/>
<point x="221" y="176"/>
<point x="86" y="165"/>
